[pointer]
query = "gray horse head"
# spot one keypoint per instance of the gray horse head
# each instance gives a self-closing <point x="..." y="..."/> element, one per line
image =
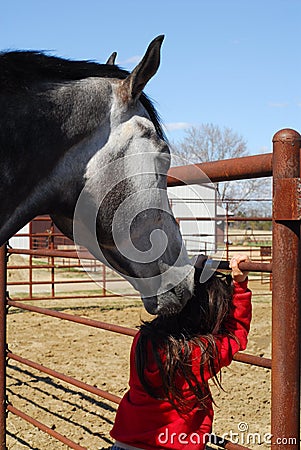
<point x="106" y="184"/>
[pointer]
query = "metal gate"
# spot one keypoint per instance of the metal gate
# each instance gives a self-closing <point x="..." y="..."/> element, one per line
<point x="284" y="166"/>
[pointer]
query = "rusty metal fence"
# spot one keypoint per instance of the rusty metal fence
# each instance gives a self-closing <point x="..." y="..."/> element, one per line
<point x="284" y="165"/>
<point x="52" y="267"/>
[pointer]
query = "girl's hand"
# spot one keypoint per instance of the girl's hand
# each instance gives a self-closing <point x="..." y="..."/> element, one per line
<point x="237" y="274"/>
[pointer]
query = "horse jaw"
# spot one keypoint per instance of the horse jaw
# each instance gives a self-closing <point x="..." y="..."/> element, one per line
<point x="64" y="224"/>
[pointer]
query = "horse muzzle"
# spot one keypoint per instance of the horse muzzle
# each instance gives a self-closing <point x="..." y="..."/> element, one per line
<point x="170" y="302"/>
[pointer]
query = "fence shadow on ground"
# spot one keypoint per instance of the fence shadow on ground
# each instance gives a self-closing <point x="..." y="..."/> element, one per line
<point x="40" y="384"/>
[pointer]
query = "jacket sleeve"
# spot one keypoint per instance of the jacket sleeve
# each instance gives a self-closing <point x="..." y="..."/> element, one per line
<point x="237" y="323"/>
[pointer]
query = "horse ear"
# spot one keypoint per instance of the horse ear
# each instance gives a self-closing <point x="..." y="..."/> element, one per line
<point x="111" y="59"/>
<point x="144" y="71"/>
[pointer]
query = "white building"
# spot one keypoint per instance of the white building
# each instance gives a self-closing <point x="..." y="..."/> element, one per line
<point x="198" y="201"/>
<point x="189" y="202"/>
<point x="19" y="241"/>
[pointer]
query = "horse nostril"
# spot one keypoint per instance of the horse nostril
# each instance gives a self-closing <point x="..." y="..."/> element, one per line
<point x="151" y="304"/>
<point x="187" y="294"/>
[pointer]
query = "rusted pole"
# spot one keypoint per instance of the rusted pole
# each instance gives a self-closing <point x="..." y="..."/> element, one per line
<point x="104" y="280"/>
<point x="30" y="260"/>
<point x="286" y="291"/>
<point x="51" y="247"/>
<point x="227" y="231"/>
<point x="3" y="347"/>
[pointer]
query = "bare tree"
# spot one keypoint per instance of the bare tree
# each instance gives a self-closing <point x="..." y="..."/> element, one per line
<point x="208" y="142"/>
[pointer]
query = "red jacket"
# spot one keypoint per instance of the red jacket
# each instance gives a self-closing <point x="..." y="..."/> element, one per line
<point x="148" y="423"/>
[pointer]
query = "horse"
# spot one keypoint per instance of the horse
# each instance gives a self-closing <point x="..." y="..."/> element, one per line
<point x="81" y="141"/>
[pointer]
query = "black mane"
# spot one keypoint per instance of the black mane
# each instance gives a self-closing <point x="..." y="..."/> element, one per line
<point x="19" y="70"/>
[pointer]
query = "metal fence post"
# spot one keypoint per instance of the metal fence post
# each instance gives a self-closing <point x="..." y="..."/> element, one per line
<point x="3" y="347"/>
<point x="286" y="291"/>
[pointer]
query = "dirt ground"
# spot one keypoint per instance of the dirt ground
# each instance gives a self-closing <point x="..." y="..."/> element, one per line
<point x="101" y="359"/>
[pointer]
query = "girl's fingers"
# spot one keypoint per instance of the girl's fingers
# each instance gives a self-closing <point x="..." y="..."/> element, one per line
<point x="238" y="259"/>
<point x="234" y="263"/>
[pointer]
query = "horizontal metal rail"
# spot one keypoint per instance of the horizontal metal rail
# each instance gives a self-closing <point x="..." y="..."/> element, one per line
<point x="213" y="200"/>
<point x="69" y="297"/>
<point x="254" y="267"/>
<point x="225" y="217"/>
<point x="72" y="318"/>
<point x="42" y="219"/>
<point x="48" y="266"/>
<point x="50" y="252"/>
<point x="232" y="446"/>
<point x="254" y="360"/>
<point x="247" y="167"/>
<point x="46" y="234"/>
<point x="74" y="281"/>
<point x="244" y="266"/>
<point x="45" y="428"/>
<point x="240" y="357"/>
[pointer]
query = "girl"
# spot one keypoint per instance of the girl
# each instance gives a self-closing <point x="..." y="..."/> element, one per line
<point x="169" y="403"/>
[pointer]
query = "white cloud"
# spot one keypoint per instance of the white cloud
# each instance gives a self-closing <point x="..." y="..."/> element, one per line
<point x="278" y="104"/>
<point x="264" y="149"/>
<point x="132" y="60"/>
<point x="177" y="126"/>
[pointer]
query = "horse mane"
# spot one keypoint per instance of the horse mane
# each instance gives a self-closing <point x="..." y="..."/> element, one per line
<point x="21" y="69"/>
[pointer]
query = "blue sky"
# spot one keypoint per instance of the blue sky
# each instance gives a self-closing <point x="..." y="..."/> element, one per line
<point x="234" y="63"/>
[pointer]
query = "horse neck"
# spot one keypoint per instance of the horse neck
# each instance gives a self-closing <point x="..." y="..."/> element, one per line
<point x="38" y="128"/>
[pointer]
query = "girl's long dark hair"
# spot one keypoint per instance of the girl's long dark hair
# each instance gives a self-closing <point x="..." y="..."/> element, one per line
<point x="171" y="340"/>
